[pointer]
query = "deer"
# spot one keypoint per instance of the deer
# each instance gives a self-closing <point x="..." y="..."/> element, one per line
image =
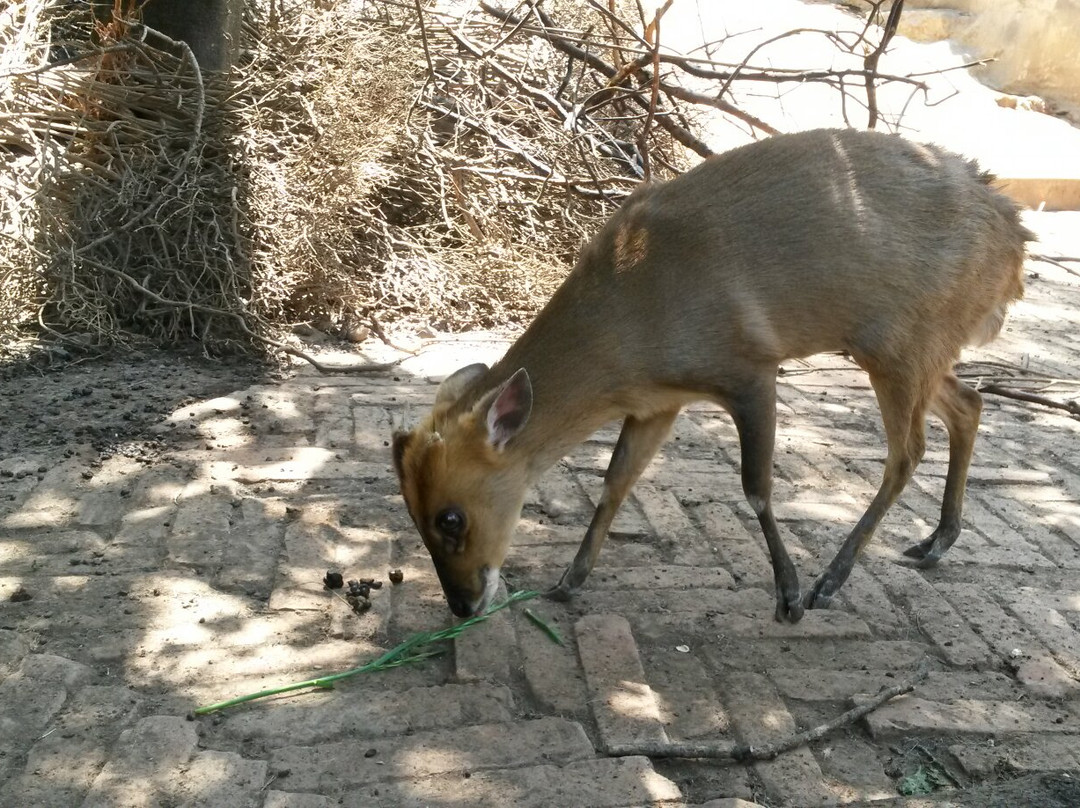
<point x="895" y="253"/>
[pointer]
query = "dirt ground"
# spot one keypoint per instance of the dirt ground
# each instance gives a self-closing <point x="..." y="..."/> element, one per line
<point x="109" y="403"/>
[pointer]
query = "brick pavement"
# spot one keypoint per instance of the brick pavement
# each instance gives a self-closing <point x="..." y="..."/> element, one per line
<point x="159" y="587"/>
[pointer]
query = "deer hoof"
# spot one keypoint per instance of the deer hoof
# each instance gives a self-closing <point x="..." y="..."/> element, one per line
<point x="920" y="550"/>
<point x="561" y="593"/>
<point x="817" y="597"/>
<point x="789" y="610"/>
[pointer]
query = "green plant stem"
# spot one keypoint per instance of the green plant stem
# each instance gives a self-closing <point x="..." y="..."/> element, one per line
<point x="543" y="626"/>
<point x="406" y="653"/>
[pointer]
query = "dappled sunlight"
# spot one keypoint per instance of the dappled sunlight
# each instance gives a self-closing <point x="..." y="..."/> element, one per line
<point x="260" y="405"/>
<point x="138" y="525"/>
<point x="294" y="464"/>
<point x="227" y="433"/>
<point x="808" y="506"/>
<point x="489" y="788"/>
<point x="364" y="548"/>
<point x="658" y="787"/>
<point x="95" y="536"/>
<point x="175" y="599"/>
<point x="435" y="777"/>
<point x="843" y="793"/>
<point x="45" y="507"/>
<point x="206" y="642"/>
<point x="25" y="555"/>
<point x="1069" y="601"/>
<point x="429" y="759"/>
<point x="775" y="722"/>
<point x="1041" y="310"/>
<point x="686" y="700"/>
<point x="205" y="672"/>
<point x="203" y="410"/>
<point x="632" y="700"/>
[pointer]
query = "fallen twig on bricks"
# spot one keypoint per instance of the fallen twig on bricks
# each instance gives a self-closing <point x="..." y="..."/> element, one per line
<point x="1018" y="383"/>
<point x="741" y="752"/>
<point x="998" y="389"/>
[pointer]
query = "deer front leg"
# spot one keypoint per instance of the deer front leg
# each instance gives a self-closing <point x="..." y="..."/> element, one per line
<point x="754" y="413"/>
<point x="638" y="442"/>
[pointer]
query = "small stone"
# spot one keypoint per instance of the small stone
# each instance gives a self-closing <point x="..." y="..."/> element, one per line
<point x="396" y="576"/>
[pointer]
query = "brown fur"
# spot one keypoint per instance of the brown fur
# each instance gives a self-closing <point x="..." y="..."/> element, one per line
<point x="897" y="253"/>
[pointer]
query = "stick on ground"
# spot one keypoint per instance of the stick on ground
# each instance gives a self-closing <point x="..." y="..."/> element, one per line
<point x="723" y="749"/>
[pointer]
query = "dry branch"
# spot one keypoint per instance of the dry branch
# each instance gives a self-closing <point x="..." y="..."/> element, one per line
<point x="998" y="389"/>
<point x="870" y="63"/>
<point x="1060" y="261"/>
<point x="741" y="752"/>
<point x="1018" y="383"/>
<point x="392" y="161"/>
<point x="681" y="134"/>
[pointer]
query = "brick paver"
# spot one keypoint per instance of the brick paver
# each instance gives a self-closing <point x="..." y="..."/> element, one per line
<point x="153" y="589"/>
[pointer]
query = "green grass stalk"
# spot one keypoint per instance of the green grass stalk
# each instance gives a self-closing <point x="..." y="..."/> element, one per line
<point x="411" y="651"/>
<point x="545" y="627"/>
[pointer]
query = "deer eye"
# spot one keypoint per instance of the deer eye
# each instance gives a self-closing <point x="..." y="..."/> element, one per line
<point x="451" y="524"/>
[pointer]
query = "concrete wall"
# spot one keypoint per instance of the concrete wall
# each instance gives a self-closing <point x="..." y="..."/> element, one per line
<point x="1036" y="43"/>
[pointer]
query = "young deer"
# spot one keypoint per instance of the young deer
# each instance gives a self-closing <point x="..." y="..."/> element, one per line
<point x="897" y="253"/>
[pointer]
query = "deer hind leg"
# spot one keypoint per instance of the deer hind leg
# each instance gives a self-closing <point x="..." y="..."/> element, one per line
<point x="903" y="410"/>
<point x="638" y="442"/>
<point x="959" y="407"/>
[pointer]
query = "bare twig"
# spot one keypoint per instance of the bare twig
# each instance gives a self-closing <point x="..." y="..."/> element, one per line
<point x="998" y="389"/>
<point x="870" y="63"/>
<point x="1060" y="261"/>
<point x="652" y="37"/>
<point x="596" y="63"/>
<point x="424" y="38"/>
<point x="739" y="752"/>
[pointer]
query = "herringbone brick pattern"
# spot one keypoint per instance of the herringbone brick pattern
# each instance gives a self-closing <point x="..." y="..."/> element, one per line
<point x="156" y="588"/>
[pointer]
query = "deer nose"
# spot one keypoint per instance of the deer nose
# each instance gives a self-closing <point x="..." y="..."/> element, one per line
<point x="460" y="607"/>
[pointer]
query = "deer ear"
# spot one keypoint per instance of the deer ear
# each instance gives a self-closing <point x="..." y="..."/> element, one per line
<point x="401" y="440"/>
<point x="508" y="408"/>
<point x="454" y="385"/>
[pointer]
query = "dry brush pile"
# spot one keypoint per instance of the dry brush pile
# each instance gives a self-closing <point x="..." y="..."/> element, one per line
<point x="361" y="161"/>
<point x="115" y="181"/>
